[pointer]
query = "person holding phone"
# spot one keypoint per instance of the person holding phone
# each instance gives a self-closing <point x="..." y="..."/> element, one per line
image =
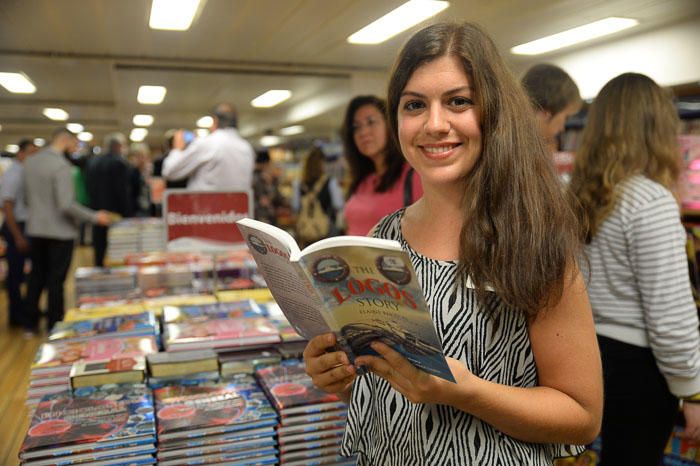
<point x="220" y="161"/>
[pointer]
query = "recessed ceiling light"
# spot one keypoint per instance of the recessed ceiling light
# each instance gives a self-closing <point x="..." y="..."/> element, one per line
<point x="138" y="134"/>
<point x="574" y="36"/>
<point x="205" y="122"/>
<point x="85" y="136"/>
<point x="142" y="120"/>
<point x="39" y="142"/>
<point x="271" y="98"/>
<point x="270" y="140"/>
<point x="201" y="132"/>
<point x="12" y="148"/>
<point x="17" y="83"/>
<point x="398" y="20"/>
<point x="57" y="114"/>
<point x="292" y="130"/>
<point x="74" y="127"/>
<point x="151" y="95"/>
<point x="172" y="15"/>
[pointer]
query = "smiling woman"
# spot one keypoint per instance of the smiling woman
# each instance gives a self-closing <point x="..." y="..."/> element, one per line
<point x="491" y="203"/>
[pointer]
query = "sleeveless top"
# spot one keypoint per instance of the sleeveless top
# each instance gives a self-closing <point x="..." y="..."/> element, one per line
<point x="384" y="428"/>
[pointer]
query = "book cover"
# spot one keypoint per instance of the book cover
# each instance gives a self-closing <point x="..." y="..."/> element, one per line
<point x="184" y="408"/>
<point x="108" y="371"/>
<point x="289" y="387"/>
<point x="218" y="333"/>
<point x="91" y="416"/>
<point x="142" y="324"/>
<point x="362" y="289"/>
<point x="204" y="312"/>
<point x="240" y="438"/>
<point x="57" y="357"/>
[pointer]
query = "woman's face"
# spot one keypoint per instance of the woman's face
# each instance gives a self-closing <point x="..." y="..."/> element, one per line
<point x="369" y="132"/>
<point x="438" y="122"/>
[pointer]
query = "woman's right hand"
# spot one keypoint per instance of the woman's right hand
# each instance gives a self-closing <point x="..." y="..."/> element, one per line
<point x="329" y="371"/>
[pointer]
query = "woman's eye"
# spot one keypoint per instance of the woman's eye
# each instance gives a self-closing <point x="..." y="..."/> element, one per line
<point x="412" y="105"/>
<point x="461" y="102"/>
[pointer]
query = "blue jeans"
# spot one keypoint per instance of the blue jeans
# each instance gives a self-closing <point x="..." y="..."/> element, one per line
<point x="15" y="275"/>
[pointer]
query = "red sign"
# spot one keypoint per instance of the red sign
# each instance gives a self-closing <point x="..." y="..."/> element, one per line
<point x="197" y="221"/>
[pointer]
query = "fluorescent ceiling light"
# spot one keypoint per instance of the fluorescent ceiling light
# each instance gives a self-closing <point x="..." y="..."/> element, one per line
<point x="17" y="83"/>
<point x="74" y="127"/>
<point x="142" y="120"/>
<point x="138" y="134"/>
<point x="271" y="98"/>
<point x="292" y="130"/>
<point x="270" y="140"/>
<point x="57" y="114"/>
<point x="172" y="15"/>
<point x="85" y="136"/>
<point x="574" y="36"/>
<point x="151" y="95"/>
<point x="205" y="122"/>
<point x="398" y="20"/>
<point x="39" y="142"/>
<point x="12" y="148"/>
<point x="201" y="132"/>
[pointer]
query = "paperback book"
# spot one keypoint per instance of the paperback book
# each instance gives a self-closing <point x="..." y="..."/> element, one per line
<point x="362" y="289"/>
<point x="142" y="324"/>
<point x="108" y="371"/>
<point x="220" y="333"/>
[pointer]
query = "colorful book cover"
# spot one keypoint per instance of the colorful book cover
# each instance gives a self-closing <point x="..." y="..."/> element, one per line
<point x="90" y="416"/>
<point x="241" y="438"/>
<point x="142" y="324"/>
<point x="289" y="387"/>
<point x="108" y="371"/>
<point x="114" y="309"/>
<point x="216" y="333"/>
<point x="59" y="356"/>
<point x="203" y="312"/>
<point x="183" y="408"/>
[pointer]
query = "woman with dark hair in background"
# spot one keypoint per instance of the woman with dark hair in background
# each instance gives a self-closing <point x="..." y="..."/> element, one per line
<point x="647" y="324"/>
<point x="493" y="242"/>
<point x="380" y="180"/>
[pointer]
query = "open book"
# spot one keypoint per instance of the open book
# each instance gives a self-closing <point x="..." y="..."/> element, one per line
<point x="361" y="289"/>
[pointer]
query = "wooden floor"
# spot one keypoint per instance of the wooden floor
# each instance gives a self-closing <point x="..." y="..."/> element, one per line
<point x="16" y="355"/>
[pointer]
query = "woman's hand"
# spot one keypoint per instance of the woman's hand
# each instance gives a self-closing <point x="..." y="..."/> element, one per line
<point x="416" y="385"/>
<point x="691" y="412"/>
<point x="331" y="372"/>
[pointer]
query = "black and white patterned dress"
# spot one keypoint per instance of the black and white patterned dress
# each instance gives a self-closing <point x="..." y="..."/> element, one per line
<point x="384" y="428"/>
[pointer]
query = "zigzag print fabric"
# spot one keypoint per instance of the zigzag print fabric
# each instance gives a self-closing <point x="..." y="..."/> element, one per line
<point x="384" y="428"/>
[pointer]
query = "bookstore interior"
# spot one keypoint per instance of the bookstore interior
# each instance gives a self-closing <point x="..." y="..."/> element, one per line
<point x="180" y="336"/>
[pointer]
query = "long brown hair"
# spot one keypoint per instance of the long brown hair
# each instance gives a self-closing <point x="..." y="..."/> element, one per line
<point x="313" y="168"/>
<point x="519" y="234"/>
<point x="361" y="166"/>
<point x="631" y="130"/>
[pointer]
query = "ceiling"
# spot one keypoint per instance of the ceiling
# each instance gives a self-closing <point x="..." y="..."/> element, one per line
<point x="90" y="56"/>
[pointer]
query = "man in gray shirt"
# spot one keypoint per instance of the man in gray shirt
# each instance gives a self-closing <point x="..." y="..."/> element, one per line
<point x="52" y="225"/>
<point x="15" y="210"/>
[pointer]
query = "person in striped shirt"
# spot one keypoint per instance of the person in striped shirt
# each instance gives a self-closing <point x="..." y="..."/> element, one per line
<point x="646" y="320"/>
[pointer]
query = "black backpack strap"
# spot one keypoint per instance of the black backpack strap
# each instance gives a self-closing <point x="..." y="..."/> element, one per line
<point x="408" y="188"/>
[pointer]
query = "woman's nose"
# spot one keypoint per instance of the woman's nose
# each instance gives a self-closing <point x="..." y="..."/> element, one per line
<point x="437" y="120"/>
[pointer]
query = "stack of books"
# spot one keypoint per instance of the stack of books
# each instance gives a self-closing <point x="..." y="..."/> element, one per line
<point x="111" y="425"/>
<point x="312" y="422"/>
<point x="237" y="270"/>
<point x="135" y="235"/>
<point x="247" y="362"/>
<point x="230" y="423"/>
<point x="54" y="360"/>
<point x="152" y="235"/>
<point x="105" y="283"/>
<point x="182" y="368"/>
<point x="222" y="326"/>
<point x="159" y="280"/>
<point x="143" y="324"/>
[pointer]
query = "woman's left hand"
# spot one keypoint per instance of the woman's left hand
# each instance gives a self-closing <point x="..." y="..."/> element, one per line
<point x="416" y="385"/>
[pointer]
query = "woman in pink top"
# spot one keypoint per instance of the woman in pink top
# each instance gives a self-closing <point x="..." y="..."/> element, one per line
<point x="377" y="167"/>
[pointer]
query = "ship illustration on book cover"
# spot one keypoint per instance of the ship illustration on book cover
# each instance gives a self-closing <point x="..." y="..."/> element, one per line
<point x="289" y="386"/>
<point x="194" y="407"/>
<point x="91" y="415"/>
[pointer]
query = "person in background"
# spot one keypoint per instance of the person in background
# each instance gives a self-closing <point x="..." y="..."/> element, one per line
<point x="554" y="96"/>
<point x="222" y="160"/>
<point x="109" y="188"/>
<point x="380" y="175"/>
<point x="315" y="181"/>
<point x="518" y="333"/>
<point x="14" y="209"/>
<point x="166" y="147"/>
<point x="266" y="194"/>
<point x="52" y="224"/>
<point x="138" y="158"/>
<point x="626" y="170"/>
